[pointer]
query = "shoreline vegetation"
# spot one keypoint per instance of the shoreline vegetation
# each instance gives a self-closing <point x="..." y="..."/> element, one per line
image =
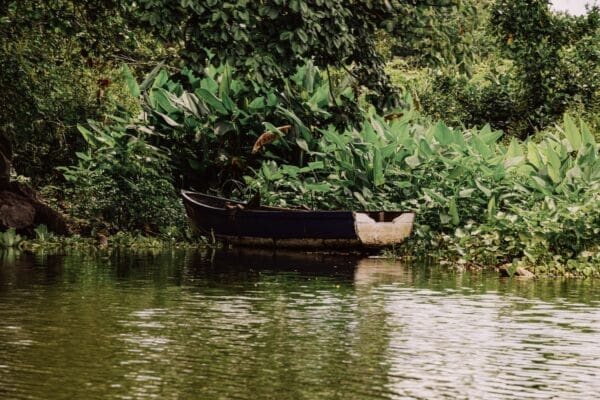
<point x="489" y="132"/>
<point x="129" y="242"/>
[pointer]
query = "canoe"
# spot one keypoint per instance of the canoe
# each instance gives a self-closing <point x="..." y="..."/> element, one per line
<point x="245" y="224"/>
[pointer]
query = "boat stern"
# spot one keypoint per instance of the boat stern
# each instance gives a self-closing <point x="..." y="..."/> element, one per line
<point x="378" y="234"/>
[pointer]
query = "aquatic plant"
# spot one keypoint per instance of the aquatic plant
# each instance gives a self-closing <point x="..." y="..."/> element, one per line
<point x="210" y="121"/>
<point x="10" y="238"/>
<point x="41" y="233"/>
<point x="480" y="199"/>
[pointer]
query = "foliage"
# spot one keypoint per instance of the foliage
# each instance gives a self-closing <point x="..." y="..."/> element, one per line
<point x="556" y="57"/>
<point x="446" y="34"/>
<point x="211" y="122"/>
<point x="122" y="181"/>
<point x="41" y="233"/>
<point x="476" y="198"/>
<point x="120" y="240"/>
<point x="489" y="97"/>
<point x="251" y="111"/>
<point x="541" y="65"/>
<point x="270" y="40"/>
<point x="58" y="67"/>
<point x="10" y="238"/>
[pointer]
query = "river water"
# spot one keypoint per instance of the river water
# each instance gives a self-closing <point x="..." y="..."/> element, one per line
<point x="258" y="325"/>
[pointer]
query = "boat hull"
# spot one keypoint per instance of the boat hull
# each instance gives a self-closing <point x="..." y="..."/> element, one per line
<point x="232" y="222"/>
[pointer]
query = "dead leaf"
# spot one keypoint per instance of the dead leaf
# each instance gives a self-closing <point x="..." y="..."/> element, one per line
<point x="268" y="137"/>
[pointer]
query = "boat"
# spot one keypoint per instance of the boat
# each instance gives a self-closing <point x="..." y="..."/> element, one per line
<point x="250" y="224"/>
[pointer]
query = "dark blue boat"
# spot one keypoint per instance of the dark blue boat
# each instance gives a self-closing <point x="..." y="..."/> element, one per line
<point x="241" y="223"/>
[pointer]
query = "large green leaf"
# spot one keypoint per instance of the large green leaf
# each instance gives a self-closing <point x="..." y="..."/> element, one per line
<point x="533" y="155"/>
<point x="257" y="104"/>
<point x="225" y="83"/>
<point x="132" y="84"/>
<point x="453" y="211"/>
<point x="572" y="133"/>
<point x="212" y="100"/>
<point x="487" y="136"/>
<point x="586" y="135"/>
<point x="443" y="134"/>
<point x="514" y="149"/>
<point x="161" y="78"/>
<point x="151" y="76"/>
<point x="378" y="176"/>
<point x="161" y="100"/>
<point x="482" y="148"/>
<point x="553" y="164"/>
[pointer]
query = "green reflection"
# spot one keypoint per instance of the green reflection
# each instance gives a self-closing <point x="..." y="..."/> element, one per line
<point x="189" y="324"/>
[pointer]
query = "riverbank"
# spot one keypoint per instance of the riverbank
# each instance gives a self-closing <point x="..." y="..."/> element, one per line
<point x="124" y="240"/>
<point x="584" y="267"/>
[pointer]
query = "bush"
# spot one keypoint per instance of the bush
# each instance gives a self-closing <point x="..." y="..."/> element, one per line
<point x="199" y="131"/>
<point x="477" y="200"/>
<point x="59" y="66"/>
<point x="491" y="99"/>
<point x="542" y="65"/>
<point x="122" y="181"/>
<point x="555" y="57"/>
<point x="211" y="121"/>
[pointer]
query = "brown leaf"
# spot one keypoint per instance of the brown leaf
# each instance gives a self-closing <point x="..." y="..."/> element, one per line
<point x="268" y="137"/>
<point x="393" y="116"/>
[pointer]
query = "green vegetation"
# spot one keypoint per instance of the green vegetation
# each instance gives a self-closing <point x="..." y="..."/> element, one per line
<point x="489" y="131"/>
<point x="210" y="123"/>
<point x="268" y="40"/>
<point x="60" y="64"/>
<point x="478" y="200"/>
<point x="121" y="240"/>
<point x="121" y="167"/>
<point x="10" y="238"/>
<point x="541" y="65"/>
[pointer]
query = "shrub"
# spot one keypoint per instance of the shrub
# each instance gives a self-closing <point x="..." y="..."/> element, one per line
<point x="59" y="66"/>
<point x="210" y="122"/>
<point x="122" y="181"/>
<point x="491" y="99"/>
<point x="478" y="201"/>
<point x="555" y="56"/>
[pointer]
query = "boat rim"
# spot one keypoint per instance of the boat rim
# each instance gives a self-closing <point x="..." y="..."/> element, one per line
<point x="186" y="196"/>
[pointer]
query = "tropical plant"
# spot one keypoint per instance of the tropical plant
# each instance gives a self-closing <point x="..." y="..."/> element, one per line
<point x="269" y="40"/>
<point x="42" y="233"/>
<point x="476" y="198"/>
<point x="59" y="66"/>
<point x="211" y="122"/>
<point x="449" y="35"/>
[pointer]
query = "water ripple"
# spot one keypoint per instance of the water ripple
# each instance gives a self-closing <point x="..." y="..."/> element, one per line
<point x="178" y="326"/>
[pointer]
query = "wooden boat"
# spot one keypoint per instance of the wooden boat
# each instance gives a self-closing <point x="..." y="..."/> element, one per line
<point x="241" y="223"/>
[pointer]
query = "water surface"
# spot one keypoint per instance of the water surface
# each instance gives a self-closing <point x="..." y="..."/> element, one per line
<point x="179" y="325"/>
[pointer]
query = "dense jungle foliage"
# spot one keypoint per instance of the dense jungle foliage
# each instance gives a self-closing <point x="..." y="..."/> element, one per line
<point x="483" y="117"/>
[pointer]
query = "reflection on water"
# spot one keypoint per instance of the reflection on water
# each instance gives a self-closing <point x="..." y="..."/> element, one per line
<point x="287" y="326"/>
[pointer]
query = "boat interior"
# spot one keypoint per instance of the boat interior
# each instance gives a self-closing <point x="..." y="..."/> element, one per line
<point x="254" y="204"/>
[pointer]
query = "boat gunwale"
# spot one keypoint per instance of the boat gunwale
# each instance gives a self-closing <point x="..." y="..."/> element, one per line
<point x="186" y="196"/>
